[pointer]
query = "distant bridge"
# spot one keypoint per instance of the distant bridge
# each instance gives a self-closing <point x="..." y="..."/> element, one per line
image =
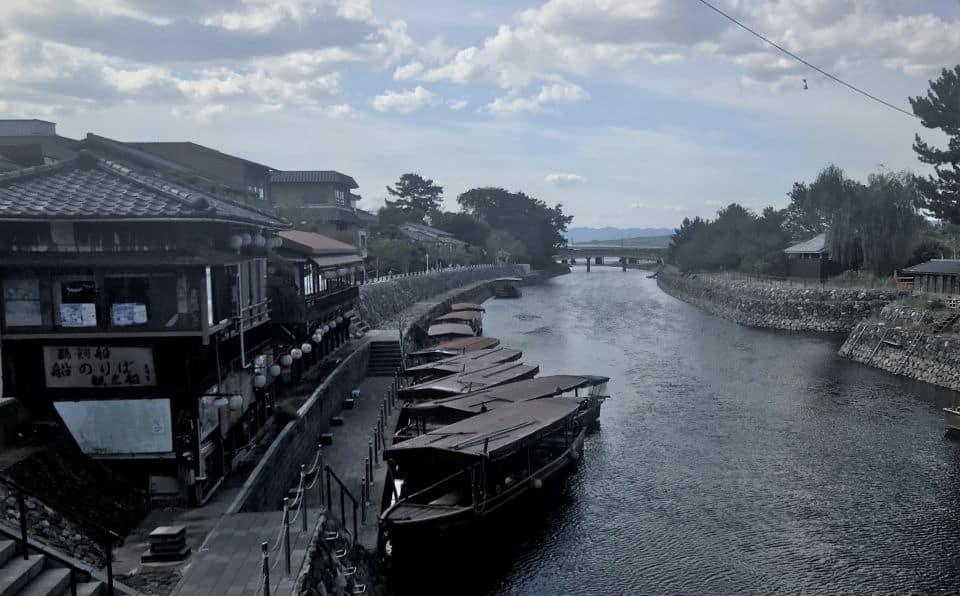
<point x="610" y="254"/>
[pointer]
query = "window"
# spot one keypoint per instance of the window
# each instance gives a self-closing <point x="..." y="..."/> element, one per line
<point x="340" y="197"/>
<point x="76" y="299"/>
<point x="22" y="303"/>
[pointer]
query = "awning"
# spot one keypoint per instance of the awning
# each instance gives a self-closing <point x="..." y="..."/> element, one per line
<point x="336" y="261"/>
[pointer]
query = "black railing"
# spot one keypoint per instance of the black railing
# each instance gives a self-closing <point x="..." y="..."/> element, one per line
<point x="344" y="494"/>
<point x="104" y="537"/>
<point x="332" y="298"/>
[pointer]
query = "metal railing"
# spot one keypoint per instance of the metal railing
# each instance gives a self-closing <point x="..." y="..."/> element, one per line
<point x="839" y="283"/>
<point x="105" y="538"/>
<point x="418" y="273"/>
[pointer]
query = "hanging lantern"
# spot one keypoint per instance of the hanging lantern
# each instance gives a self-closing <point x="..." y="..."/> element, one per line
<point x="317" y="337"/>
<point x="246" y="239"/>
<point x="259" y="362"/>
<point x="286" y="361"/>
<point x="275" y="370"/>
<point x="236" y="242"/>
<point x="275" y="242"/>
<point x="341" y="272"/>
<point x="236" y="403"/>
<point x="259" y="241"/>
<point x="259" y="381"/>
<point x="296" y="353"/>
<point x="339" y="320"/>
<point x="306" y="348"/>
<point x="326" y="329"/>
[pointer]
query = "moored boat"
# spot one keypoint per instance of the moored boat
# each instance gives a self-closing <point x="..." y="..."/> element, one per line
<point x="507" y="287"/>
<point x="448" y="331"/>
<point x="462" y="363"/>
<point x="491" y="376"/>
<point x="952" y="418"/>
<point x="474" y="318"/>
<point x="467" y="306"/>
<point x="451" y="478"/>
<point x="453" y="347"/>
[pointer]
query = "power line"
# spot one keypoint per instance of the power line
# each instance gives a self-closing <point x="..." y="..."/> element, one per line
<point x="801" y="60"/>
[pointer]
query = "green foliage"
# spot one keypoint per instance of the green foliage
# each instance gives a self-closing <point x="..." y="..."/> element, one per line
<point x="502" y="245"/>
<point x="394" y="255"/>
<point x="537" y="227"/>
<point x="418" y="198"/>
<point x="940" y="109"/>
<point x="463" y="226"/>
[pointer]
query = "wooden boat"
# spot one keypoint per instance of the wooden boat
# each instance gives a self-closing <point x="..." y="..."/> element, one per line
<point x="453" y="347"/>
<point x="474" y="318"/>
<point x="420" y="417"/>
<point x="507" y="287"/>
<point x="952" y="418"/>
<point x="467" y="306"/>
<point x="446" y="331"/>
<point x="462" y="363"/>
<point x="449" y="479"/>
<point x="491" y="376"/>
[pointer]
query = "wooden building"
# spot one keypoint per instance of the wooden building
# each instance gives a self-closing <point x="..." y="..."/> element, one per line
<point x="936" y="276"/>
<point x="810" y="259"/>
<point x="135" y="312"/>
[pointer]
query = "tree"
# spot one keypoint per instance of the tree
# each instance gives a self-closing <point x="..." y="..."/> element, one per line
<point x="538" y="227"/>
<point x="811" y="206"/>
<point x="417" y="196"/>
<point x="941" y="109"/>
<point x="393" y="255"/>
<point x="463" y="226"/>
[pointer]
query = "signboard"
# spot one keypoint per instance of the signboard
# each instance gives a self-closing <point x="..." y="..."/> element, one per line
<point x="21" y="303"/>
<point x="120" y="426"/>
<point x="78" y="315"/>
<point x="98" y="366"/>
<point x="125" y="314"/>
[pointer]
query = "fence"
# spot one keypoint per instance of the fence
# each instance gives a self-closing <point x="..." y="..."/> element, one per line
<point x="864" y="282"/>
<point x="435" y="269"/>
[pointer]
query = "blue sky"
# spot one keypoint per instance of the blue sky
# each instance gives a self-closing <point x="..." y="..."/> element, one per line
<point x="632" y="113"/>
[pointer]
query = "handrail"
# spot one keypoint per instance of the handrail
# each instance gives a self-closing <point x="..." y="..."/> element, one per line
<point x="107" y="541"/>
<point x="343" y="491"/>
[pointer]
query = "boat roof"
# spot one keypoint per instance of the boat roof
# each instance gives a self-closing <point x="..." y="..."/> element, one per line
<point x="497" y="432"/>
<point x="509" y="279"/>
<point x="506" y="394"/>
<point x="450" y="329"/>
<point x="467" y="306"/>
<point x="495" y="374"/>
<point x="470" y="361"/>
<point x="460" y="345"/>
<point x="461" y="315"/>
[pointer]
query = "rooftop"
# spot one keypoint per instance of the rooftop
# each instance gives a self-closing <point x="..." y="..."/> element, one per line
<point x="314" y="244"/>
<point x="311" y="177"/>
<point x="90" y="187"/>
<point x="936" y="267"/>
<point x="815" y="245"/>
<point x="145" y="146"/>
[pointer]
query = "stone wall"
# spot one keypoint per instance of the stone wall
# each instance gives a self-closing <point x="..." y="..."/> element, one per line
<point x="381" y="301"/>
<point x="297" y="442"/>
<point x="917" y="343"/>
<point x="758" y="304"/>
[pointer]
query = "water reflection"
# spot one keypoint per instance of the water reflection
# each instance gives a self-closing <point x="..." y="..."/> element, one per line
<point x="730" y="459"/>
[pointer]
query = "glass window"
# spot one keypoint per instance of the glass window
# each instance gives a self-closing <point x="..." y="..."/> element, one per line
<point x="23" y="303"/>
<point x="76" y="299"/>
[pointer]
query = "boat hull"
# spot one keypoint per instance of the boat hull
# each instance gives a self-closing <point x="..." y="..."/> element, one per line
<point x="410" y="535"/>
<point x="952" y="418"/>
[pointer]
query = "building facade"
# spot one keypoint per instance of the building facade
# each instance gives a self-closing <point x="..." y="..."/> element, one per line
<point x="322" y="201"/>
<point x="810" y="259"/>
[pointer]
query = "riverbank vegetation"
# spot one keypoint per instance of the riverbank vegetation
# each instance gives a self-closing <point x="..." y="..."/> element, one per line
<point x="494" y="224"/>
<point x="873" y="227"/>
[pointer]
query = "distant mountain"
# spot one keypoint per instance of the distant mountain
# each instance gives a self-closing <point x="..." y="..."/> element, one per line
<point x="578" y="235"/>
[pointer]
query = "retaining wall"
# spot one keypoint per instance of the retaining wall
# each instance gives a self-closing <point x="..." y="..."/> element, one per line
<point x="297" y="442"/>
<point x="757" y="304"/>
<point x="382" y="301"/>
<point x="909" y="341"/>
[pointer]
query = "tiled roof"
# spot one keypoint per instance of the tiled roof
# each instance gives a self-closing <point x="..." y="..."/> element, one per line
<point x="311" y="176"/>
<point x="817" y="244"/>
<point x="936" y="267"/>
<point x="89" y="187"/>
<point x="422" y="233"/>
<point x="313" y="243"/>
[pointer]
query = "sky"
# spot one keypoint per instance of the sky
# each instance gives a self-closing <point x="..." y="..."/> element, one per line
<point x="630" y="113"/>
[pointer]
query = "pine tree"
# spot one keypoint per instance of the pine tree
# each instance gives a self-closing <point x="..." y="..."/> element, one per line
<point x="941" y="109"/>
<point x="417" y="197"/>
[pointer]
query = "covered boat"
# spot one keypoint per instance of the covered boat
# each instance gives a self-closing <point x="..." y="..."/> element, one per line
<point x="446" y="331"/>
<point x="462" y="363"/>
<point x="467" y="306"/>
<point x="420" y="417"/>
<point x="474" y="318"/>
<point x="491" y="376"/>
<point x="450" y="478"/>
<point x="507" y="287"/>
<point x="452" y="348"/>
<point x="952" y="418"/>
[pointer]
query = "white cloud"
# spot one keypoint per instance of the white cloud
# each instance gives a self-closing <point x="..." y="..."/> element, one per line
<point x="564" y="179"/>
<point x="557" y="92"/>
<point x="458" y="104"/>
<point x="340" y="112"/>
<point x="404" y="101"/>
<point x="202" y="114"/>
<point x="261" y="16"/>
<point x="408" y="71"/>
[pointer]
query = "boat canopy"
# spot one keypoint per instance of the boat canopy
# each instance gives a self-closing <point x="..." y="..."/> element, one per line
<point x="467" y="306"/>
<point x="442" y="329"/>
<point x="461" y="315"/>
<point x="510" y="279"/>
<point x="495" y="374"/>
<point x="494" y="434"/>
<point x="458" y="346"/>
<point x="508" y="394"/>
<point x="470" y="361"/>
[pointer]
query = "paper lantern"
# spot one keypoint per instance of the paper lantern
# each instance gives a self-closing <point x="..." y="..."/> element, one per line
<point x="259" y="381"/>
<point x="296" y="353"/>
<point x="317" y="337"/>
<point x="236" y="242"/>
<point x="286" y="360"/>
<point x="259" y="241"/>
<point x="275" y="370"/>
<point x="306" y="348"/>
<point x="246" y="239"/>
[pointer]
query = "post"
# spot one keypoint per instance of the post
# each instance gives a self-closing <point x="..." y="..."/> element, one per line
<point x="320" y="473"/>
<point x="286" y="532"/>
<point x="109" y="554"/>
<point x="366" y="469"/>
<point x="329" y="500"/>
<point x="22" y="507"/>
<point x="343" y="517"/>
<point x="265" y="549"/>
<point x="356" y="537"/>
<point x="363" y="498"/>
<point x="303" y="495"/>
<point x="370" y="451"/>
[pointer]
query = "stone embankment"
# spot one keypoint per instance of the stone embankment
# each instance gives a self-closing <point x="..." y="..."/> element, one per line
<point x="921" y="344"/>
<point x="761" y="304"/>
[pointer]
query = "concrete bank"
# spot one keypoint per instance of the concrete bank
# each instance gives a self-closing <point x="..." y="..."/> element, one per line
<point x="917" y="343"/>
<point x="758" y="304"/>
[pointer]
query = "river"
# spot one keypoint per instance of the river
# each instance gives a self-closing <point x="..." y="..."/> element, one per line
<point x="730" y="459"/>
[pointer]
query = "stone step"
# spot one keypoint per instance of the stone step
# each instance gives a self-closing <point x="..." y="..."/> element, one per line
<point x="348" y="403"/>
<point x="336" y="421"/>
<point x="8" y="548"/>
<point x="91" y="589"/>
<point x="18" y="572"/>
<point x="326" y="439"/>
<point x="52" y="582"/>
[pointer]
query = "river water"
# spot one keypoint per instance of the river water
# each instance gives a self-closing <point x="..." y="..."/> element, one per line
<point x="729" y="460"/>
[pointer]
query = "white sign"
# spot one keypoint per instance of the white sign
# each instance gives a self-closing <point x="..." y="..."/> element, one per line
<point x="128" y="313"/>
<point x="78" y="315"/>
<point x="98" y="366"/>
<point x="120" y="426"/>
